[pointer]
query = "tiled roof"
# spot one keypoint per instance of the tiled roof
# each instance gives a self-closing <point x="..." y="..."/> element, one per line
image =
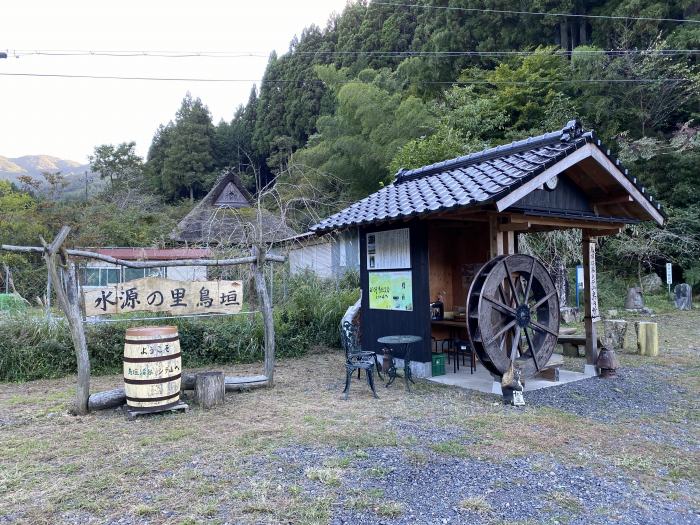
<point x="465" y="181"/>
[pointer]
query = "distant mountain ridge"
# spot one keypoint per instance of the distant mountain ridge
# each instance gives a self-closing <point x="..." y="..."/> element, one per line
<point x="33" y="165"/>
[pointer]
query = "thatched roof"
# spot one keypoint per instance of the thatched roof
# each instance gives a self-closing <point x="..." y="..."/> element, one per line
<point x="225" y="216"/>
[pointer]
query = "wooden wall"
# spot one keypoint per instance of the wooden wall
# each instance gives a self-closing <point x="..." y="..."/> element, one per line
<point x="378" y="323"/>
<point x="451" y="246"/>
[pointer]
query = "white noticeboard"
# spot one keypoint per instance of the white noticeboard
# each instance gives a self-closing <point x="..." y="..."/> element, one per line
<point x="389" y="250"/>
<point x="669" y="273"/>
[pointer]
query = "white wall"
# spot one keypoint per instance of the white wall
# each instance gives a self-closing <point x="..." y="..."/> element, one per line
<point x="316" y="258"/>
<point x="187" y="273"/>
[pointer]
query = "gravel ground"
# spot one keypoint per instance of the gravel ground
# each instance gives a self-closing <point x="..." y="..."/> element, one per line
<point x="633" y="393"/>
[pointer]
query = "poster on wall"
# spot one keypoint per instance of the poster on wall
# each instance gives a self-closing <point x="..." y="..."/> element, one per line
<point x="389" y="250"/>
<point x="391" y="291"/>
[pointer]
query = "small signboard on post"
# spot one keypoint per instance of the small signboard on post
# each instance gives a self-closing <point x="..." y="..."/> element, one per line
<point x="154" y="294"/>
<point x="669" y="275"/>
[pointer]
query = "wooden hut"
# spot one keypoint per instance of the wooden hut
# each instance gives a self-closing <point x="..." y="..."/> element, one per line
<point x="431" y="233"/>
<point x="227" y="216"/>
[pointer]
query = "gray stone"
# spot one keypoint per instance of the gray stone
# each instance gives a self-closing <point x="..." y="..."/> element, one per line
<point x="634" y="299"/>
<point x="569" y="314"/>
<point x="614" y="333"/>
<point x="652" y="283"/>
<point x="683" y="296"/>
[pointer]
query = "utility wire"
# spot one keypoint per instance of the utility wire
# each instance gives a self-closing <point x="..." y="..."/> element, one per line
<point x="229" y="54"/>
<point x="538" y="13"/>
<point x="303" y="81"/>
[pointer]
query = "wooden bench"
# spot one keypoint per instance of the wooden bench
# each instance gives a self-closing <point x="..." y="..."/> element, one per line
<point x="573" y="345"/>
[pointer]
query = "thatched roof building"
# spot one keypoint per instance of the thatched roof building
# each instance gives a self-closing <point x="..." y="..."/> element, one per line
<point x="226" y="216"/>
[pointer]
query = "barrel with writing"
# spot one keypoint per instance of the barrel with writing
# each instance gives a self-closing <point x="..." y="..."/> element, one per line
<point x="152" y="368"/>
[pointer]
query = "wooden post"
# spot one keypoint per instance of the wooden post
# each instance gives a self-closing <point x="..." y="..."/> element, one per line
<point x="647" y="338"/>
<point x="209" y="389"/>
<point x="495" y="237"/>
<point x="266" y="309"/>
<point x="63" y="275"/>
<point x="590" y="297"/>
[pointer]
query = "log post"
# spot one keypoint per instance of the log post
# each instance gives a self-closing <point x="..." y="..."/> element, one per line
<point x="108" y="399"/>
<point x="209" y="389"/>
<point x="647" y="338"/>
<point x="266" y="309"/>
<point x="590" y="296"/>
<point x="64" y="276"/>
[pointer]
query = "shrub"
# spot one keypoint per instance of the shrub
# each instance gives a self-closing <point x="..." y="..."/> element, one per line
<point x="33" y="348"/>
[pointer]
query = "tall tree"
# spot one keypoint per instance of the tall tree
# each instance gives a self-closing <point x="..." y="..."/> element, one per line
<point x="182" y="154"/>
<point x="120" y="164"/>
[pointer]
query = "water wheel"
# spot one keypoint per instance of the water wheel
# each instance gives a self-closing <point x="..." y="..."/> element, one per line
<point x="513" y="313"/>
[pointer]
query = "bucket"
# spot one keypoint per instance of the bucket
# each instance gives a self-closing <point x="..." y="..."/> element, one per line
<point x="152" y="368"/>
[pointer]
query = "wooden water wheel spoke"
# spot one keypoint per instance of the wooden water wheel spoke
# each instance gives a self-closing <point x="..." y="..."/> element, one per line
<point x="532" y="348"/>
<point x="542" y="328"/>
<point x="510" y="279"/>
<point x="516" y="343"/>
<point x="503" y="308"/>
<point x="503" y="330"/>
<point x="529" y="282"/>
<point x="501" y="312"/>
<point x="543" y="300"/>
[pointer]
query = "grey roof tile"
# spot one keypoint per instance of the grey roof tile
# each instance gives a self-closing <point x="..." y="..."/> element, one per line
<point x="465" y="181"/>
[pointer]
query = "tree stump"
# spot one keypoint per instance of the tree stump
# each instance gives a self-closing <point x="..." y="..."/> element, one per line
<point x="614" y="333"/>
<point x="209" y="389"/>
<point x="647" y="338"/>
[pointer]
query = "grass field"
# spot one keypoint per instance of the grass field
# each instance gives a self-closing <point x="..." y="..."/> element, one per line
<point x="298" y="453"/>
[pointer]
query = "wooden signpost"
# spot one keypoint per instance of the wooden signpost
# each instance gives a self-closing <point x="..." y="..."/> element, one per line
<point x="178" y="297"/>
<point x="155" y="294"/>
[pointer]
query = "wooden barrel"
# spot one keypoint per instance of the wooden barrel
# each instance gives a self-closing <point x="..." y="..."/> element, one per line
<point x="152" y="368"/>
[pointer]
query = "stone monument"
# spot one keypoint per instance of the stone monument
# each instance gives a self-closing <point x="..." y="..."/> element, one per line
<point x="683" y="296"/>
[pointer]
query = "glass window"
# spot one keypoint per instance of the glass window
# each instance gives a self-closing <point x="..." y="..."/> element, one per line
<point x="155" y="272"/>
<point x="133" y="273"/>
<point x="110" y="276"/>
<point x="91" y="277"/>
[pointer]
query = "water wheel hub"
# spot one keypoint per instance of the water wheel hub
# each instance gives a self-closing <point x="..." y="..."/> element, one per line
<point x="522" y="315"/>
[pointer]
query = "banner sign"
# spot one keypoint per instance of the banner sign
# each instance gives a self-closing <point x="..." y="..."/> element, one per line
<point x="389" y="249"/>
<point x="593" y="283"/>
<point x="391" y="291"/>
<point x="154" y="294"/>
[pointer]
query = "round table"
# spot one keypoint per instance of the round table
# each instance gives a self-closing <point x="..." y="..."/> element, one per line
<point x="400" y="340"/>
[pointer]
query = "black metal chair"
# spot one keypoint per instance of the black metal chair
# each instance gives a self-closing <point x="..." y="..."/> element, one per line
<point x="459" y="348"/>
<point x="356" y="358"/>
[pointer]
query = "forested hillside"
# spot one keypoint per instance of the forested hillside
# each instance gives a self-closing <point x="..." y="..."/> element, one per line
<point x="388" y="85"/>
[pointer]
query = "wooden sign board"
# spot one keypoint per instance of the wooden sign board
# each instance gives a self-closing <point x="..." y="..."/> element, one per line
<point x="593" y="283"/>
<point x="154" y="294"/>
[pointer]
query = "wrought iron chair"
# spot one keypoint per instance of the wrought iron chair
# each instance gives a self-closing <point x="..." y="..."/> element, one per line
<point x="356" y="358"/>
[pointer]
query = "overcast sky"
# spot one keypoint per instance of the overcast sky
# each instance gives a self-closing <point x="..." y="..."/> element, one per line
<point x="68" y="117"/>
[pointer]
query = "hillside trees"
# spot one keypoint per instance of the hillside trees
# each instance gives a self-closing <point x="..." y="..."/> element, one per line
<point x="181" y="158"/>
<point x="120" y="164"/>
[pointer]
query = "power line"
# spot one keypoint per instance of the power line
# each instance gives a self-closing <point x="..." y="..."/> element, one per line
<point x="312" y="80"/>
<point x="409" y="53"/>
<point x="538" y="13"/>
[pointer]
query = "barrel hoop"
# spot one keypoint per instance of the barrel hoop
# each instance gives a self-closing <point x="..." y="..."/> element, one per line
<point x="157" y="408"/>
<point x="151" y="399"/>
<point x="151" y="381"/>
<point x="151" y="341"/>
<point x="151" y="359"/>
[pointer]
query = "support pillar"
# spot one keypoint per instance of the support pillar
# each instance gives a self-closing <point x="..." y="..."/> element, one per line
<point x="590" y="297"/>
<point x="495" y="238"/>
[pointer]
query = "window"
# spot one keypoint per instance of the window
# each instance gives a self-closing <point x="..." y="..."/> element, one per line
<point x="91" y="277"/>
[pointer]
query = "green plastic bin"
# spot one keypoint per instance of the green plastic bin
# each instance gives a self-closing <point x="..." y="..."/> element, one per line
<point x="438" y="365"/>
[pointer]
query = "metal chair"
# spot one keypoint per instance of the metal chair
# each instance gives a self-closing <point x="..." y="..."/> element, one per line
<point x="457" y="348"/>
<point x="356" y="358"/>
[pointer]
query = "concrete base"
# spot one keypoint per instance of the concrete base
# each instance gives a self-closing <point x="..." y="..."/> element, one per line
<point x="590" y="371"/>
<point x="483" y="381"/>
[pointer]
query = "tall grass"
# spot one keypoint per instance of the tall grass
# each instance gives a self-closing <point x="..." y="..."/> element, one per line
<point x="33" y="348"/>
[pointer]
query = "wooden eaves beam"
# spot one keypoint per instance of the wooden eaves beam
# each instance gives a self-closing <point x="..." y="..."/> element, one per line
<point x="589" y="150"/>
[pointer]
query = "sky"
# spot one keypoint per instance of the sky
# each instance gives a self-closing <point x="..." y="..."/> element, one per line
<point x="68" y="117"/>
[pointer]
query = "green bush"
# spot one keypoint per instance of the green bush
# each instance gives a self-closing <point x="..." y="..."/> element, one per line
<point x="32" y="348"/>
